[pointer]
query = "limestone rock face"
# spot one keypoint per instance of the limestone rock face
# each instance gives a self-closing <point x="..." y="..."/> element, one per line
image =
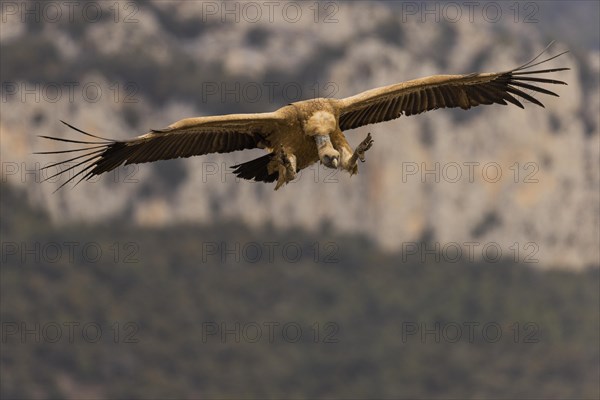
<point x="496" y="178"/>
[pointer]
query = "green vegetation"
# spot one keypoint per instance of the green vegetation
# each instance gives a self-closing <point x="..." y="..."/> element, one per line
<point x="176" y="293"/>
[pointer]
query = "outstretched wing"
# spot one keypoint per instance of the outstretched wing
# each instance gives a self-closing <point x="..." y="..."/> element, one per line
<point x="446" y="91"/>
<point x="185" y="138"/>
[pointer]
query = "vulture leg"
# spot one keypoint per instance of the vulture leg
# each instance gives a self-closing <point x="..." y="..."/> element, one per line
<point x="286" y="166"/>
<point x="359" y="153"/>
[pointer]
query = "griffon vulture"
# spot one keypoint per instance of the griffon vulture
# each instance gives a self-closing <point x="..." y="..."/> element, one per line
<point x="302" y="133"/>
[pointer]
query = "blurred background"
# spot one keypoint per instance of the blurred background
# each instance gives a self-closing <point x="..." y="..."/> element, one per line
<point x="462" y="261"/>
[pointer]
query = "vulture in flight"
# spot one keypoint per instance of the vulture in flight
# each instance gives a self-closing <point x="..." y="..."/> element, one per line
<point x="302" y="133"/>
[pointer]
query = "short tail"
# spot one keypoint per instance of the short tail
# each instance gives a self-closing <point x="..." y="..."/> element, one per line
<point x="256" y="169"/>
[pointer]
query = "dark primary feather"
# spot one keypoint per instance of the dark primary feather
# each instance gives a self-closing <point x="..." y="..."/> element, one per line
<point x="447" y="91"/>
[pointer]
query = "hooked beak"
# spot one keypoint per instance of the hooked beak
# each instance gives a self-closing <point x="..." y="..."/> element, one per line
<point x="331" y="161"/>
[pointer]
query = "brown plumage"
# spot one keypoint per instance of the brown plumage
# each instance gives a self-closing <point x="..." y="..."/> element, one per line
<point x="305" y="132"/>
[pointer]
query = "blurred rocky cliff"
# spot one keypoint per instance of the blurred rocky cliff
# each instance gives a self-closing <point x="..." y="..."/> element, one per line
<point x="526" y="181"/>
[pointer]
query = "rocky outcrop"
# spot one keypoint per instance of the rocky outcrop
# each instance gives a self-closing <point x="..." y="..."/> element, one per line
<point x="522" y="182"/>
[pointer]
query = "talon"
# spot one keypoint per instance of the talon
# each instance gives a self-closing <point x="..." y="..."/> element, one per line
<point x="286" y="166"/>
<point x="363" y="147"/>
